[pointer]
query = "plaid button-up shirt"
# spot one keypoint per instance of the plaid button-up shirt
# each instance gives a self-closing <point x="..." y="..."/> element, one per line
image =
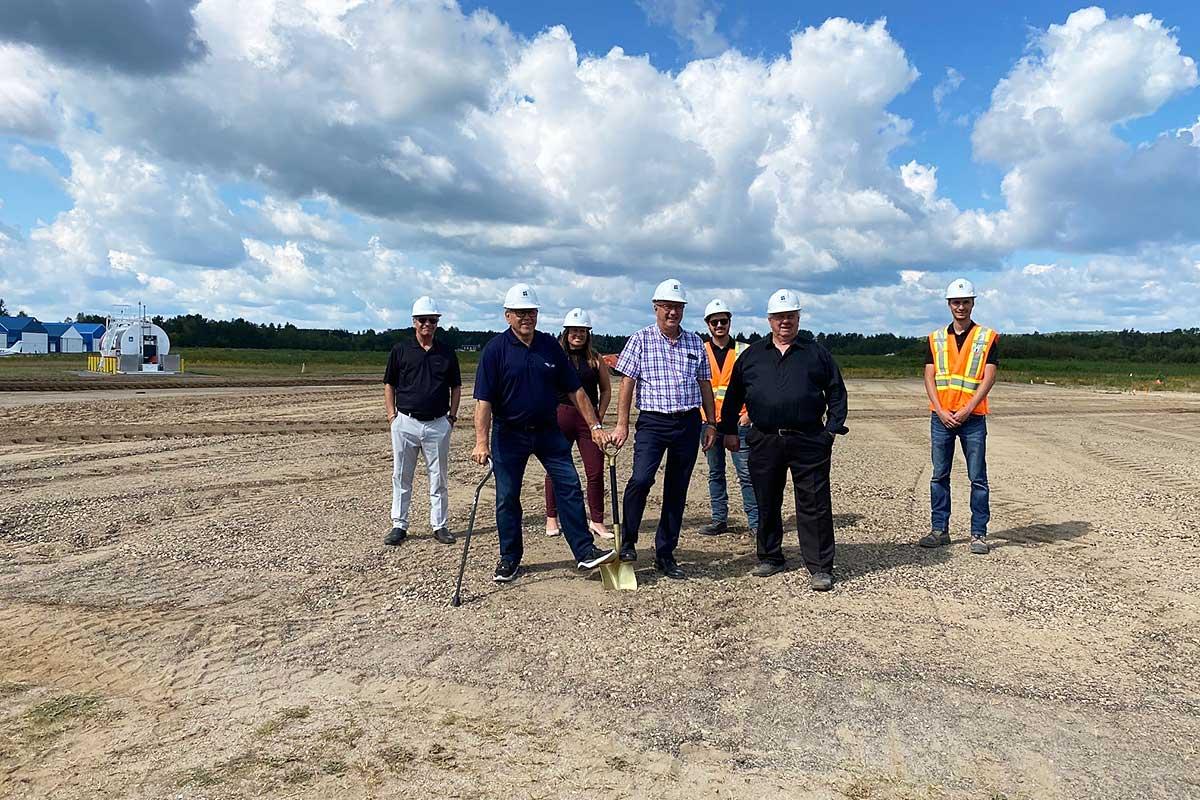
<point x="666" y="371"/>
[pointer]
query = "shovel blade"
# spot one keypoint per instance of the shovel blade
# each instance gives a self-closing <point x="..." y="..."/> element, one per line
<point x="618" y="575"/>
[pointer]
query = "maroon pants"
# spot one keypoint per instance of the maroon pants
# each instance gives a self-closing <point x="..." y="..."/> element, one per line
<point x="576" y="429"/>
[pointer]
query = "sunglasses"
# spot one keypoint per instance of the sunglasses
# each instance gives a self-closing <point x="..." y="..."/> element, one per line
<point x="426" y="320"/>
<point x="718" y="322"/>
<point x="523" y="313"/>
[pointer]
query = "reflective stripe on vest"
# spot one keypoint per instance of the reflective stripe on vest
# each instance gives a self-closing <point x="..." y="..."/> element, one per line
<point x="959" y="373"/>
<point x="721" y="375"/>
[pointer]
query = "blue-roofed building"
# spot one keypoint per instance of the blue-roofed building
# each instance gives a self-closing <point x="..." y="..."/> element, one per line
<point x="91" y="333"/>
<point x="61" y="337"/>
<point x="28" y="331"/>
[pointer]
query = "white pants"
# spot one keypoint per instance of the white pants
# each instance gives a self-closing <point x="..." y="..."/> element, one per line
<point x="409" y="437"/>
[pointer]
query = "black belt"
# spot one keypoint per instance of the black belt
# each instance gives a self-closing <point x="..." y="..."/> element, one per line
<point x="422" y="417"/>
<point x="804" y="431"/>
<point x="674" y="414"/>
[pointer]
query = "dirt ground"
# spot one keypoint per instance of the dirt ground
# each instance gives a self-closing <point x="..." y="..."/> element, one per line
<point x="195" y="603"/>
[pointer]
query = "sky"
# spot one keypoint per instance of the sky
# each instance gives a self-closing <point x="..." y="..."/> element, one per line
<point x="326" y="162"/>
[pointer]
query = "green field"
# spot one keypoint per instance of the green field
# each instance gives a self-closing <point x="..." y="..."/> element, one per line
<point x="235" y="363"/>
<point x="1113" y="374"/>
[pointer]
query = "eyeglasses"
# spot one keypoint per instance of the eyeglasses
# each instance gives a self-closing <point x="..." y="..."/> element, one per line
<point x="523" y="313"/>
<point x="671" y="308"/>
<point x="425" y="320"/>
<point x="967" y="302"/>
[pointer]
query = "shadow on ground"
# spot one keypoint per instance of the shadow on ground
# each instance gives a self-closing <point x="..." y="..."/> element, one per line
<point x="1042" y="534"/>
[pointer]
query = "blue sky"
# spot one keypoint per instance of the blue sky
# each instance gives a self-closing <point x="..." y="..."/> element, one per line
<point x="325" y="161"/>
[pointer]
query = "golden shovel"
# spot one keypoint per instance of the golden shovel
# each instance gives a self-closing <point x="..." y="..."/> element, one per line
<point x="616" y="574"/>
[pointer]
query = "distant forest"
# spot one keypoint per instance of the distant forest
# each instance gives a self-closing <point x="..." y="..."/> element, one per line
<point x="1177" y="346"/>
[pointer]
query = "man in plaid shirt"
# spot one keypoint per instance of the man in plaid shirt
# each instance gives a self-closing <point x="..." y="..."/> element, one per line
<point x="669" y="369"/>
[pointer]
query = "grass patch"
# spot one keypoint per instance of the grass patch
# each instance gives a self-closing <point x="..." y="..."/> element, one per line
<point x="1129" y="375"/>
<point x="333" y="767"/>
<point x="13" y="688"/>
<point x="61" y="711"/>
<point x="197" y="776"/>
<point x="397" y="758"/>
<point x="282" y="720"/>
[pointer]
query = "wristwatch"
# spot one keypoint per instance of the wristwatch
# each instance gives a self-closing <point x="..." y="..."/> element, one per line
<point x="452" y="417"/>
<point x="598" y="426"/>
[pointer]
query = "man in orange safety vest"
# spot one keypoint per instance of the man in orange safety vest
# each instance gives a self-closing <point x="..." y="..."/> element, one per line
<point x="722" y="351"/>
<point x="960" y="368"/>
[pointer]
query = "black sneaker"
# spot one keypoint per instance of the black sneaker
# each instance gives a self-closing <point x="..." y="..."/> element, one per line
<point x="714" y="528"/>
<point x="594" y="557"/>
<point x="935" y="539"/>
<point x="396" y="536"/>
<point x="506" y="571"/>
<point x="628" y="553"/>
<point x="444" y="536"/>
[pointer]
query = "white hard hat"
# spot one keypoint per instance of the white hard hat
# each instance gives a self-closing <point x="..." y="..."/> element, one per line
<point x="577" y="318"/>
<point x="717" y="306"/>
<point x="783" y="300"/>
<point x="521" y="296"/>
<point x="671" y="291"/>
<point x="426" y="306"/>
<point x="960" y="287"/>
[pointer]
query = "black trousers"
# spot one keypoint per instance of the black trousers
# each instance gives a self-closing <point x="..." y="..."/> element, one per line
<point x="677" y="437"/>
<point x="806" y="456"/>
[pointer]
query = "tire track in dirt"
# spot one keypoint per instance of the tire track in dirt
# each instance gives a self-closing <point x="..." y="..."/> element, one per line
<point x="47" y="434"/>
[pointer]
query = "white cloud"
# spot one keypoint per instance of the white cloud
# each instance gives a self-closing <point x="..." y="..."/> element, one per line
<point x="408" y="147"/>
<point x="693" y="21"/>
<point x="22" y="159"/>
<point x="1037" y="269"/>
<point x="946" y="87"/>
<point x="27" y="106"/>
<point x="1071" y="182"/>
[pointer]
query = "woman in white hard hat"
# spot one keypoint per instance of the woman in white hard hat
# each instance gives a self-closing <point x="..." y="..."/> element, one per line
<point x="576" y="340"/>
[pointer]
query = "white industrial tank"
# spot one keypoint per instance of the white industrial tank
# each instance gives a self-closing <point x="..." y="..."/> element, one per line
<point x="136" y="339"/>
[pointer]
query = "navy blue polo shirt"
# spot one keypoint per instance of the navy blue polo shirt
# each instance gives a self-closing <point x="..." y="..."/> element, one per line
<point x="522" y="382"/>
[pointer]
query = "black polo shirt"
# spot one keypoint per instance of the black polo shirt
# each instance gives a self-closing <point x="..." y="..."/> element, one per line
<point x="422" y="379"/>
<point x="522" y="381"/>
<point x="801" y="389"/>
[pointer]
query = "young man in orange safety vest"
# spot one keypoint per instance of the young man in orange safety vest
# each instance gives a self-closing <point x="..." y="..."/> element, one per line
<point x="960" y="369"/>
<point x="722" y="351"/>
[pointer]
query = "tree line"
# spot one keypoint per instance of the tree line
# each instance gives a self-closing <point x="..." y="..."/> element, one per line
<point x="1181" y="345"/>
<point x="1178" y="346"/>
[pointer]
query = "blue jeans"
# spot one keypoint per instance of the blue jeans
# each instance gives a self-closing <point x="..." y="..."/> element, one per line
<point x="717" y="493"/>
<point x="511" y="450"/>
<point x="678" y="438"/>
<point x="973" y="434"/>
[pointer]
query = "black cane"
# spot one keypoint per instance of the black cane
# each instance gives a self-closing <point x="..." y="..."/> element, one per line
<point x="457" y="600"/>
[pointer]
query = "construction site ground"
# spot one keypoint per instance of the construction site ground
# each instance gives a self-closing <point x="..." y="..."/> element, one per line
<point x="195" y="602"/>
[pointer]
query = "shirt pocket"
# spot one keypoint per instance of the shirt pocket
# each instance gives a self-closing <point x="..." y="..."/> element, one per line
<point x="686" y="366"/>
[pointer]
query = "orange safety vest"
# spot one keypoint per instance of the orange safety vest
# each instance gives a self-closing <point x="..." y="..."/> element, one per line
<point x="722" y="375"/>
<point x="958" y="373"/>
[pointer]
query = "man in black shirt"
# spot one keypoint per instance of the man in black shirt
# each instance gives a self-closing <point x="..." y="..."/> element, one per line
<point x="422" y="389"/>
<point x="796" y="399"/>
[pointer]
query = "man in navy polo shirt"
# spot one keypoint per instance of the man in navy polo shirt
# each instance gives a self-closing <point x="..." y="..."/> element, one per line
<point x="520" y="374"/>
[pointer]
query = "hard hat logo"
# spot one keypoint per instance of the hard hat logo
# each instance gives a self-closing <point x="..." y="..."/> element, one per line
<point x="670" y="291"/>
<point x="783" y="301"/>
<point x="960" y="288"/>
